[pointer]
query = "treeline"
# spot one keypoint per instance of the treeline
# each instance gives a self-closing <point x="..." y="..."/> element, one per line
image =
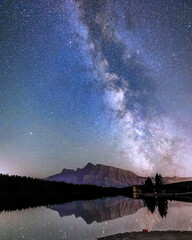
<point x="21" y="185"/>
<point x="158" y="185"/>
<point x="18" y="192"/>
<point x="181" y="187"/>
<point x="154" y="186"/>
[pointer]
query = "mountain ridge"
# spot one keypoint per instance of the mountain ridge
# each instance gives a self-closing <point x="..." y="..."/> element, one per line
<point x="105" y="176"/>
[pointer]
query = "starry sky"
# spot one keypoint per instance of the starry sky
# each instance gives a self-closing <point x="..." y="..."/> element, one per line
<point x="96" y="81"/>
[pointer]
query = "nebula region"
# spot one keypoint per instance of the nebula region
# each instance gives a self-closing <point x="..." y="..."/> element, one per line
<point x="101" y="81"/>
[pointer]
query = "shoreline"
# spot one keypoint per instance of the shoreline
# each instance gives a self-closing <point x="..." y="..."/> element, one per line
<point x="153" y="235"/>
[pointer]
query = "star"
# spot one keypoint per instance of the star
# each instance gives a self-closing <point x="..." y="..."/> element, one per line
<point x="97" y="74"/>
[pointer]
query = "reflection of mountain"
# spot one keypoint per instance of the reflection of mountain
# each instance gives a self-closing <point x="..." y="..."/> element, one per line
<point x="99" y="210"/>
<point x="105" y="176"/>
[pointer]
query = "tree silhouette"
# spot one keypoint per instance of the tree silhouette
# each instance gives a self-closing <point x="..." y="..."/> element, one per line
<point x="162" y="207"/>
<point x="149" y="186"/>
<point x="159" y="182"/>
<point x="151" y="204"/>
<point x="161" y="203"/>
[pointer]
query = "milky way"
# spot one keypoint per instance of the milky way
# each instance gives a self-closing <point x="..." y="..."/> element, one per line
<point x="101" y="81"/>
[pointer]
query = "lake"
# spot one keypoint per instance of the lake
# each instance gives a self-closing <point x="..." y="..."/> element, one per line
<point x="86" y="220"/>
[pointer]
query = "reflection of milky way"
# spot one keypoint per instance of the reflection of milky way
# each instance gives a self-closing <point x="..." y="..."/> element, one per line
<point x="101" y="81"/>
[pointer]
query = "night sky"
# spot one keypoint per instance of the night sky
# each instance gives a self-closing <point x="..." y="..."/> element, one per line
<point x="101" y="81"/>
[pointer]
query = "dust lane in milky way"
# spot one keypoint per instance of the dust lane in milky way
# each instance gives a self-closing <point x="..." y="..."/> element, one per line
<point x="96" y="81"/>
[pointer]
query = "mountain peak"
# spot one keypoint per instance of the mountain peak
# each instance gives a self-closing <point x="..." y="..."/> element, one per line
<point x="89" y="164"/>
<point x="105" y="176"/>
<point x="87" y="167"/>
<point x="100" y="175"/>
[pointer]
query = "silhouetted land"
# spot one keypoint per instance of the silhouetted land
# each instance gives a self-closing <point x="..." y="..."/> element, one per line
<point x="156" y="235"/>
<point x="23" y="192"/>
<point x="181" y="191"/>
<point x="179" y="187"/>
<point x="158" y="185"/>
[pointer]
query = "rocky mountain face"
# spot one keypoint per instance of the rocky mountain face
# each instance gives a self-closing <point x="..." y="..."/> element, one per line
<point x="99" y="175"/>
<point x="176" y="179"/>
<point x="105" y="176"/>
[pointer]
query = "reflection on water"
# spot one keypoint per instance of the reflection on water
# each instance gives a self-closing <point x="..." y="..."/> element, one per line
<point x="99" y="210"/>
<point x="161" y="204"/>
<point x="104" y="209"/>
<point x="94" y="219"/>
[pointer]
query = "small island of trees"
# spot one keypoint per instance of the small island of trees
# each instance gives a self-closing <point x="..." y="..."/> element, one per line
<point x="156" y="186"/>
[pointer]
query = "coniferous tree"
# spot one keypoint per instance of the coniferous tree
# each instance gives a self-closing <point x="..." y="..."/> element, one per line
<point x="149" y="186"/>
<point x="159" y="182"/>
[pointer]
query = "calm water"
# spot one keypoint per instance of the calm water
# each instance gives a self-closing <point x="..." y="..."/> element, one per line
<point x="92" y="219"/>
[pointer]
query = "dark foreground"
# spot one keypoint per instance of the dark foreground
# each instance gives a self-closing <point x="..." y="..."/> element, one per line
<point x="23" y="192"/>
<point x="156" y="235"/>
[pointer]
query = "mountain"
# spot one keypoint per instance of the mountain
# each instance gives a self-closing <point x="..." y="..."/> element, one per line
<point x="100" y="175"/>
<point x="175" y="179"/>
<point x="105" y="176"/>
